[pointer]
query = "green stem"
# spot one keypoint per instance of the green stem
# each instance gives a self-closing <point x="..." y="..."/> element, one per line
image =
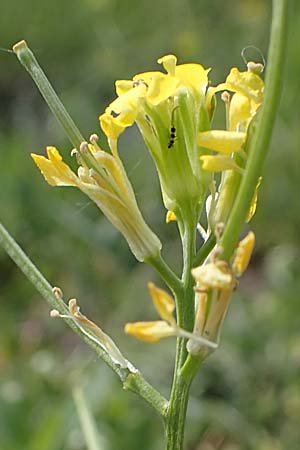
<point x="261" y="138"/>
<point x="28" y="60"/>
<point x="131" y="381"/>
<point x="175" y="423"/>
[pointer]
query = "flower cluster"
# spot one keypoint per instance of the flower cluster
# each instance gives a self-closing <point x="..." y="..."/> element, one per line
<point x="174" y="112"/>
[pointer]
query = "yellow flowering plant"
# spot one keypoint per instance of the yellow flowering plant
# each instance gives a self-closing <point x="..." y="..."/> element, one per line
<point x="209" y="181"/>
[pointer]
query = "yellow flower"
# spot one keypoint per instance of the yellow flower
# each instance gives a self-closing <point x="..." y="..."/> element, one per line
<point x="160" y="104"/>
<point x="103" y="179"/>
<point x="155" y="330"/>
<point x="243" y="254"/>
<point x="248" y="90"/>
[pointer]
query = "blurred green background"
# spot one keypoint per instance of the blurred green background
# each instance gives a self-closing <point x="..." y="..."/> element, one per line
<point x="248" y="394"/>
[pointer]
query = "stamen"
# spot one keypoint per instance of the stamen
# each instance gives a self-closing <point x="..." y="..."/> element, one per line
<point x="225" y="96"/>
<point x="74" y="152"/>
<point x="54" y="313"/>
<point x="57" y="292"/>
<point x="94" y="138"/>
<point x="84" y="147"/>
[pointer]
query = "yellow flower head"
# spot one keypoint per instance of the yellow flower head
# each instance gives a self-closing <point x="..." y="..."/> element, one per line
<point x="169" y="109"/>
<point x="248" y="90"/>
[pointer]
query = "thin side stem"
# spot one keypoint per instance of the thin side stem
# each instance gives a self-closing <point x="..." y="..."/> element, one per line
<point x="205" y="250"/>
<point x="168" y="276"/>
<point x="28" y="60"/>
<point x="262" y="134"/>
<point x="131" y="381"/>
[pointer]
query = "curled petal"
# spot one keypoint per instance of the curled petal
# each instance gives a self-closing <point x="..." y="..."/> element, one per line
<point x="224" y="142"/>
<point x="163" y="303"/>
<point x="150" y="331"/>
<point x="111" y="126"/>
<point x="212" y="276"/>
<point x="169" y="63"/>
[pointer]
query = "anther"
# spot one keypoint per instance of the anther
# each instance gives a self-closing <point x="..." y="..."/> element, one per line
<point x="74" y="152"/>
<point x="255" y="67"/>
<point x="84" y="147"/>
<point x="94" y="138"/>
<point x="225" y="96"/>
<point x="54" y="313"/>
<point x="57" y="292"/>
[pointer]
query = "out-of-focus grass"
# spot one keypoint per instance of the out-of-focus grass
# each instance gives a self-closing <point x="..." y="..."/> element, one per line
<point x="248" y="394"/>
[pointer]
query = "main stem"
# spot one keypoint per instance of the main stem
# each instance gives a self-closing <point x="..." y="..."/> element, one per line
<point x="260" y="142"/>
<point x="175" y="422"/>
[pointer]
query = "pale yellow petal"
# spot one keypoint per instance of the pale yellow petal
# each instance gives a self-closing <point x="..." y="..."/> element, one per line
<point x="224" y="142"/>
<point x="243" y="254"/>
<point x="163" y="303"/>
<point x="150" y="331"/>
<point x="54" y="170"/>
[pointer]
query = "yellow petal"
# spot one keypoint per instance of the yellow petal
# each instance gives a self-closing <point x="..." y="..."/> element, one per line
<point x="239" y="112"/>
<point x="54" y="170"/>
<point x="110" y="126"/>
<point x="243" y="254"/>
<point x="218" y="163"/>
<point x="150" y="331"/>
<point x="163" y="303"/>
<point x="169" y="63"/>
<point x="193" y="76"/>
<point x="212" y="276"/>
<point x="123" y="86"/>
<point x="170" y="216"/>
<point x="161" y="88"/>
<point x="224" y="142"/>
